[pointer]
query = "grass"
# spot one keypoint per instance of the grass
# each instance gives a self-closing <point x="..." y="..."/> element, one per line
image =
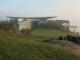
<point x="50" y="33"/>
<point x="15" y="46"/>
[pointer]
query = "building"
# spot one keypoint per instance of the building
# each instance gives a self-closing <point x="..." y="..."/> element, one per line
<point x="63" y="23"/>
<point x="21" y="24"/>
<point x="58" y="24"/>
<point x="40" y="21"/>
<point x="26" y="24"/>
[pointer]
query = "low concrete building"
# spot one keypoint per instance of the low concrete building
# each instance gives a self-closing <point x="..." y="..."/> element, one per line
<point x="26" y="23"/>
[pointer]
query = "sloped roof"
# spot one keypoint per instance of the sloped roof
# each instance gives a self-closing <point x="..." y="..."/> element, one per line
<point x="33" y="17"/>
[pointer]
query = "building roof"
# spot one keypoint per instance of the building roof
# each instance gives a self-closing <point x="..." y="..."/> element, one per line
<point x="33" y="17"/>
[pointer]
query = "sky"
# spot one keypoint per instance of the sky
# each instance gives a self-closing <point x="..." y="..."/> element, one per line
<point x="63" y="9"/>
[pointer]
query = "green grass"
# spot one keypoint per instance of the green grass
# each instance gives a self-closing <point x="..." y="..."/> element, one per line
<point x="25" y="47"/>
<point x="49" y="33"/>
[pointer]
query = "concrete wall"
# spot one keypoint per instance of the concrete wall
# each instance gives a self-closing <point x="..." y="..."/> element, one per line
<point x="25" y="24"/>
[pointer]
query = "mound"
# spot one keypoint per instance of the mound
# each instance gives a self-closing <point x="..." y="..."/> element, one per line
<point x="69" y="46"/>
<point x="62" y="42"/>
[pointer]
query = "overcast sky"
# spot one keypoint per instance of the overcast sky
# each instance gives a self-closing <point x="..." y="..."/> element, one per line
<point x="65" y="9"/>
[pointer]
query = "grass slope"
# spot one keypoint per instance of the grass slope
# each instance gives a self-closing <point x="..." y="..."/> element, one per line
<point x="24" y="47"/>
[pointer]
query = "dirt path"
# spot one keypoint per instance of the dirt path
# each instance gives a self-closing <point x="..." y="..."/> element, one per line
<point x="69" y="46"/>
<point x="75" y="50"/>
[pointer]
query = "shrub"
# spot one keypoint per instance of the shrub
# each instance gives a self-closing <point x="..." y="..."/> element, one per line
<point x="26" y="31"/>
<point x="69" y="37"/>
<point x="60" y="38"/>
<point x="6" y="28"/>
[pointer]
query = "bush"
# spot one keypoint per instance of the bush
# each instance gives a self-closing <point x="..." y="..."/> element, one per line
<point x="72" y="38"/>
<point x="60" y="38"/>
<point x="26" y="31"/>
<point x="69" y="37"/>
<point x="6" y="28"/>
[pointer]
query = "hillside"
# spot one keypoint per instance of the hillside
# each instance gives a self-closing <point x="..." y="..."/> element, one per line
<point x="15" y="46"/>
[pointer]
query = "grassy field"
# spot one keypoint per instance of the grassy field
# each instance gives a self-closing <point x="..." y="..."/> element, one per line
<point x="15" y="46"/>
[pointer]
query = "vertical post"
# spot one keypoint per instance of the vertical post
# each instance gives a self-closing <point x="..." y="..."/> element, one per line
<point x="68" y="25"/>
